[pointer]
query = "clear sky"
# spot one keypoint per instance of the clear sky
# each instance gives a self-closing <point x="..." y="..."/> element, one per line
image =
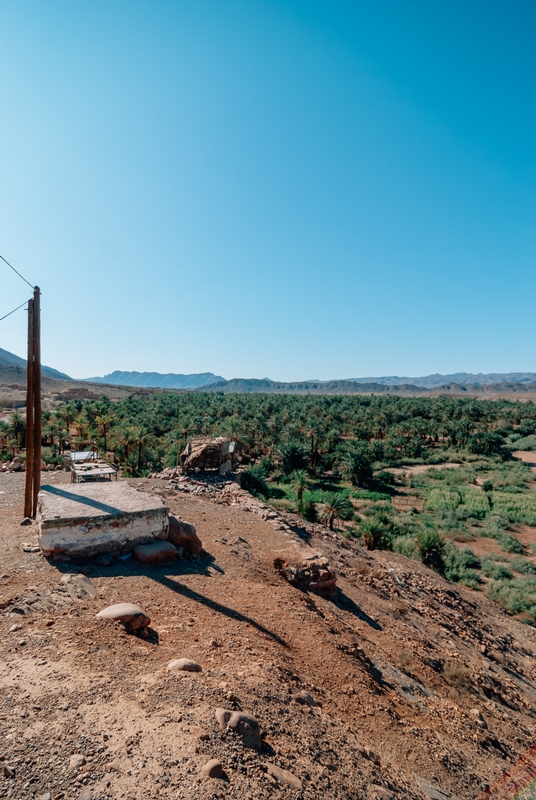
<point x="271" y="188"/>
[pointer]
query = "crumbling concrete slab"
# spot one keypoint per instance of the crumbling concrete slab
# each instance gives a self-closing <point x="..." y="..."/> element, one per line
<point x="94" y="518"/>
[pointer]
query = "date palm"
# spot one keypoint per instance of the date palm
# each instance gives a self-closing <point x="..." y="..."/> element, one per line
<point x="299" y="482"/>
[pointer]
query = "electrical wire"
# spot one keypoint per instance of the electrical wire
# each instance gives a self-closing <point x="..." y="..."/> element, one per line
<point x="18" y="273"/>
<point x="15" y="309"/>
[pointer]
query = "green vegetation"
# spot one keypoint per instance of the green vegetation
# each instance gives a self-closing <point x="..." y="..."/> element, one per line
<point x="329" y="459"/>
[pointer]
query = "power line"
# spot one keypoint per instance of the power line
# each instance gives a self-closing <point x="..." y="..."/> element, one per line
<point x="15" y="309"/>
<point x="18" y="273"/>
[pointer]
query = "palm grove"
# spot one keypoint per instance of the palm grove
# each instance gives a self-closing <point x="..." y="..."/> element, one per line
<point x="328" y="459"/>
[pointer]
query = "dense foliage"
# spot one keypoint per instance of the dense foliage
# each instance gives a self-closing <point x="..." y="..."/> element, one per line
<point x="328" y="459"/>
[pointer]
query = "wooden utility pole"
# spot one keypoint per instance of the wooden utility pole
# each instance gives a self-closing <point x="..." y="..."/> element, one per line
<point x="33" y="407"/>
<point x="37" y="397"/>
<point x="28" y="493"/>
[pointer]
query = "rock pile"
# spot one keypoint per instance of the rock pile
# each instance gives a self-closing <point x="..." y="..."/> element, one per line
<point x="313" y="574"/>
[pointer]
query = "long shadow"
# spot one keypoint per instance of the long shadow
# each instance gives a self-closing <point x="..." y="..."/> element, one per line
<point x="161" y="574"/>
<point x="347" y="604"/>
<point x="79" y="498"/>
<point x="215" y="606"/>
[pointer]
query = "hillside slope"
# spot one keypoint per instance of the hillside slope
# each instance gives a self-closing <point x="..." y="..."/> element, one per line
<point x="11" y="360"/>
<point x="423" y="690"/>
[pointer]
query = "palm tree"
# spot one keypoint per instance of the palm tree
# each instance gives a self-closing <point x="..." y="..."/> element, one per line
<point x="337" y="506"/>
<point x="299" y="482"/>
<point x="104" y="421"/>
<point x="17" y="426"/>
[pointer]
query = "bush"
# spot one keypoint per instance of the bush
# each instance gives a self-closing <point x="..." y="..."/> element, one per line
<point x="498" y="572"/>
<point x="517" y="596"/>
<point x="307" y="510"/>
<point x="457" y="676"/>
<point x="405" y="546"/>
<point x="523" y="565"/>
<point x="461" y="565"/>
<point x="431" y="548"/>
<point x="526" y="443"/>
<point x="253" y="480"/>
<point x="376" y="534"/>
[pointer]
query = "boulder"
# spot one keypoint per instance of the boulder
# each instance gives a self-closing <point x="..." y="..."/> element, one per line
<point x="183" y="534"/>
<point x="284" y="777"/>
<point x="213" y="769"/>
<point x="244" y="725"/>
<point x="184" y="665"/>
<point x="155" y="553"/>
<point x="15" y="465"/>
<point x="133" y="617"/>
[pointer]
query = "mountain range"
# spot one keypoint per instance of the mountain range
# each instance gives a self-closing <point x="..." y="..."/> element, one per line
<point x="460" y="378"/>
<point x="11" y="360"/>
<point x="455" y="383"/>
<point x="157" y="380"/>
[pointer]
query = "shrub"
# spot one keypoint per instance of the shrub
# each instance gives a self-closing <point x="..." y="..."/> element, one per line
<point x="461" y="565"/>
<point x="475" y="501"/>
<point x="457" y="676"/>
<point x="431" y="548"/>
<point x="498" y="572"/>
<point x="386" y="477"/>
<point x="518" y="595"/>
<point x="405" y="546"/>
<point x="523" y="565"/>
<point x="376" y="534"/>
<point x="253" y="480"/>
<point x="307" y="510"/>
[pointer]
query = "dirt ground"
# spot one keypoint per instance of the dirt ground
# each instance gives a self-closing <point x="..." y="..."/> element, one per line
<point x="422" y="689"/>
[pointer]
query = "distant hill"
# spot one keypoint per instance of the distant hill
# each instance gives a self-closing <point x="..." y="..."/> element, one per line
<point x="11" y="360"/>
<point x="158" y="380"/>
<point x="254" y="385"/>
<point x="459" y="378"/>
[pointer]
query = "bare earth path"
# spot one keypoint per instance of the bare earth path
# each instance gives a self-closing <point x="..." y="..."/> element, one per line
<point x="423" y="690"/>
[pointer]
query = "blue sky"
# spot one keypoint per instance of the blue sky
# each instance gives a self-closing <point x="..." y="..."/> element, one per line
<point x="259" y="188"/>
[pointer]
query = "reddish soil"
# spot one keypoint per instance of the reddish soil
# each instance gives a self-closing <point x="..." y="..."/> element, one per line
<point x="396" y="669"/>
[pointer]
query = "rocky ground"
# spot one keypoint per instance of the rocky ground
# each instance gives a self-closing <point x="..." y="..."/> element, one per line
<point x="419" y="689"/>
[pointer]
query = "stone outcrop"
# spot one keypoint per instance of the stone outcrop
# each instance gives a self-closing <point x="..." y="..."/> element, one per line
<point x="183" y="534"/>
